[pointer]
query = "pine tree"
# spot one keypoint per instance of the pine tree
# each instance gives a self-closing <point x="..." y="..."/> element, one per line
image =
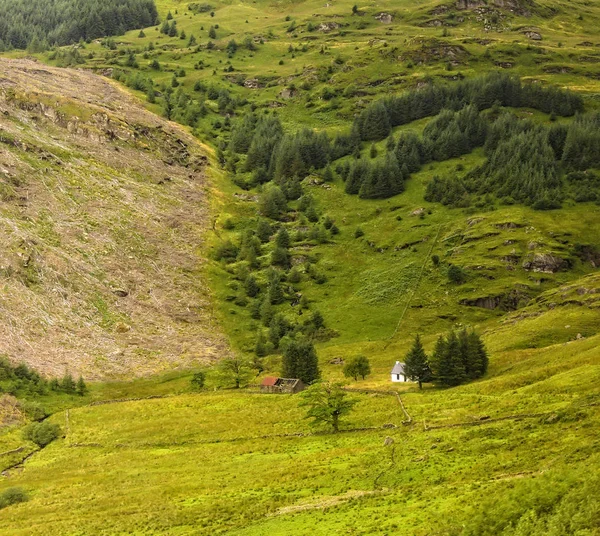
<point x="416" y="364"/>
<point x="67" y="383"/>
<point x="280" y="257"/>
<point x="263" y="231"/>
<point x="447" y="362"/>
<point x="251" y="286"/>
<point x="282" y="239"/>
<point x="300" y="361"/>
<point x="81" y="387"/>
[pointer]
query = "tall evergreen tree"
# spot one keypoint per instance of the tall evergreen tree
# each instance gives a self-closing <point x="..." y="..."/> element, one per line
<point x="446" y="362"/>
<point x="416" y="364"/>
<point x="300" y="361"/>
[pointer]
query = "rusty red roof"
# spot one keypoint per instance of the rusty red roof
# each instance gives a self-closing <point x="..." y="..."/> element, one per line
<point x="269" y="380"/>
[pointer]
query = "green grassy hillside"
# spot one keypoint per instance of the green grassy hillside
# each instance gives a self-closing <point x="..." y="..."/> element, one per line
<point x="318" y="65"/>
<point x="513" y="453"/>
<point x="516" y="449"/>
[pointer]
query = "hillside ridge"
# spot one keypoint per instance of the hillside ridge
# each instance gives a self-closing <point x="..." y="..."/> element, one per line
<point x="103" y="210"/>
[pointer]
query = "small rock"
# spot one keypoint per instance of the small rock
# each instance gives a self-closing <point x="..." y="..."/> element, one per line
<point x="388" y="441"/>
<point x="120" y="292"/>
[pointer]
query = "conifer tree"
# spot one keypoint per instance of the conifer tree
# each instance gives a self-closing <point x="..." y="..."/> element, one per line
<point x="263" y="231"/>
<point x="282" y="239"/>
<point x="67" y="383"/>
<point x="300" y="361"/>
<point x="81" y="387"/>
<point x="416" y="364"/>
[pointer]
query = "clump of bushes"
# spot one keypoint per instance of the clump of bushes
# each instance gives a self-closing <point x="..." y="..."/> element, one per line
<point x="41" y="433"/>
<point x="12" y="496"/>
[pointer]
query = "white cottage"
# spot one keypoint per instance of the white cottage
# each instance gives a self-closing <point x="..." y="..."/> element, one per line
<point x="398" y="373"/>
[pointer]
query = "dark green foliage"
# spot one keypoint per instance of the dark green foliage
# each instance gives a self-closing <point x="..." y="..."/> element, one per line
<point x="62" y="22"/>
<point x="282" y="239"/>
<point x="300" y="361"/>
<point x="265" y="137"/>
<point x="446" y="362"/>
<point x="12" y="496"/>
<point x="327" y="403"/>
<point x="356" y="367"/>
<point x="411" y="152"/>
<point x="483" y="92"/>
<point x="296" y="154"/>
<point x="68" y="384"/>
<point x="312" y="214"/>
<point x="384" y="179"/>
<point x="274" y="290"/>
<point x="226" y="251"/>
<point x="197" y="381"/>
<point x="584" y="186"/>
<point x="374" y="122"/>
<point x="81" y="388"/>
<point x="456" y="274"/>
<point x="521" y="165"/>
<point x="358" y="233"/>
<point x="522" y="161"/>
<point x="266" y="309"/>
<point x="458" y="358"/>
<point x="20" y="380"/>
<point x="41" y="433"/>
<point x="278" y="327"/>
<point x="452" y="134"/>
<point x="251" y="286"/>
<point x="263" y="231"/>
<point x="473" y="354"/>
<point x="200" y="7"/>
<point x="416" y="364"/>
<point x="280" y="257"/>
<point x="272" y="203"/>
<point x="317" y="320"/>
<point x="581" y="144"/>
<point x="260" y="349"/>
<point x="448" y="191"/>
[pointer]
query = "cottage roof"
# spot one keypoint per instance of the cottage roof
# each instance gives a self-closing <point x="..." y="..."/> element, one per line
<point x="398" y="368"/>
<point x="269" y="381"/>
<point x="288" y="382"/>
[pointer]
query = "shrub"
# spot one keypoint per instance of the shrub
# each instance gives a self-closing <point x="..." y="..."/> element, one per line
<point x="41" y="433"/>
<point x="33" y="410"/>
<point x="198" y="380"/>
<point x="12" y="496"/>
<point x="226" y="251"/>
<point x="456" y="274"/>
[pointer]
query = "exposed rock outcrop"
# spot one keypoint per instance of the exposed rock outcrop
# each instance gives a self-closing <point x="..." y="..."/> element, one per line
<point x="545" y="263"/>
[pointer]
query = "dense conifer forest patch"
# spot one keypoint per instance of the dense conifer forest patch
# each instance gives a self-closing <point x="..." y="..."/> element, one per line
<point x="38" y="24"/>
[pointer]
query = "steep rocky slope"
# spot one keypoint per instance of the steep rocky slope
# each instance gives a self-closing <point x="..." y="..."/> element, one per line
<point x="102" y="213"/>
